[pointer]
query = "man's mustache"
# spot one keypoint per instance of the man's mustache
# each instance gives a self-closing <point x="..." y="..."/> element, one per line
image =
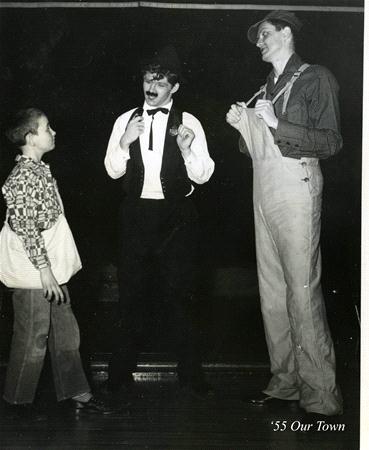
<point x="151" y="94"/>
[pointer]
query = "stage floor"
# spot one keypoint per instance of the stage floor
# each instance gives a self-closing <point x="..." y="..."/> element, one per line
<point x="159" y="415"/>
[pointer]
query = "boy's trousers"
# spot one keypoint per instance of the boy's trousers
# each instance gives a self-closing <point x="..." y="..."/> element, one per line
<point x="39" y="324"/>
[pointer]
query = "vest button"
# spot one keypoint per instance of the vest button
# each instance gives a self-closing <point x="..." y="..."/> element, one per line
<point x="303" y="163"/>
<point x="305" y="179"/>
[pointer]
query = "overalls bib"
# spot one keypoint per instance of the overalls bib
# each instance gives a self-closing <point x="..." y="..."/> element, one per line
<point x="287" y="197"/>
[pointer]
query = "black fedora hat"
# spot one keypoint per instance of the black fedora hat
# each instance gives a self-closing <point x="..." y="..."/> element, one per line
<point x="286" y="16"/>
<point x="167" y="59"/>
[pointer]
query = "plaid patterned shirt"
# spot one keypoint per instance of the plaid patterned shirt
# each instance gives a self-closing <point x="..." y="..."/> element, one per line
<point x="34" y="204"/>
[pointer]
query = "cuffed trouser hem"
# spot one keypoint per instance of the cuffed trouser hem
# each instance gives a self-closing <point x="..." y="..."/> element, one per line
<point x="283" y="395"/>
<point x="322" y="402"/>
<point x="77" y="393"/>
<point x="283" y="386"/>
<point x="325" y="412"/>
<point x="319" y="402"/>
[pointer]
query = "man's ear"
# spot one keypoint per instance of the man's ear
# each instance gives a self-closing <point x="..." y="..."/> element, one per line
<point x="174" y="88"/>
<point x="287" y="33"/>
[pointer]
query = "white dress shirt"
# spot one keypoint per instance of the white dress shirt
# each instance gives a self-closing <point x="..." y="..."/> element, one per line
<point x="199" y="165"/>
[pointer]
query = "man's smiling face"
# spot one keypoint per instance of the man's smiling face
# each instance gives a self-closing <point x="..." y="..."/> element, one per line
<point x="157" y="89"/>
<point x="270" y="41"/>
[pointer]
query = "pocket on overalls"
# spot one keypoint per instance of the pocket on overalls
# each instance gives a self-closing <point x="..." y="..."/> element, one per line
<point x="312" y="177"/>
<point x="293" y="178"/>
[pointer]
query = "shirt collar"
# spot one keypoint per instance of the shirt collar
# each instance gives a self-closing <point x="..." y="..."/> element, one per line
<point x="28" y="160"/>
<point x="293" y="64"/>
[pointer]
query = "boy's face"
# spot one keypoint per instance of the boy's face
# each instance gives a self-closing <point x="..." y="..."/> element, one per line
<point x="44" y="140"/>
<point x="157" y="91"/>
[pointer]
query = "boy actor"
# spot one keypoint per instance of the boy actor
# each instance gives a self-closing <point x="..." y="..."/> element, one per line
<point x="42" y="317"/>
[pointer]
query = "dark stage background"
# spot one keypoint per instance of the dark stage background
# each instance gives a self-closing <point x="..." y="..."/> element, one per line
<point x="81" y="66"/>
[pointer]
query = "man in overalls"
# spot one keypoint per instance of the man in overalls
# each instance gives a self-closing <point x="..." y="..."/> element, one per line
<point x="295" y="123"/>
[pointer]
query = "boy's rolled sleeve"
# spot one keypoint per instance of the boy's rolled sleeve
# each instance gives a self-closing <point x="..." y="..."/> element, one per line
<point x="23" y="214"/>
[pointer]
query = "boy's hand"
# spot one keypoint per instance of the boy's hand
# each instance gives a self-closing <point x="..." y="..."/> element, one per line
<point x="51" y="288"/>
<point x="134" y="129"/>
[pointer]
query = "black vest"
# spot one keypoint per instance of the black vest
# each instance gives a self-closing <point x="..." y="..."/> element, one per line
<point x="173" y="175"/>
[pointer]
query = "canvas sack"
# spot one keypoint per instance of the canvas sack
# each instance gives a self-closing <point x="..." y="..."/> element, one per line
<point x="17" y="271"/>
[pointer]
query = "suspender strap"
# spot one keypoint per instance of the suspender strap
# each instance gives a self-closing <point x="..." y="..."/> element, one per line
<point x="262" y="89"/>
<point x="286" y="90"/>
<point x="288" y="87"/>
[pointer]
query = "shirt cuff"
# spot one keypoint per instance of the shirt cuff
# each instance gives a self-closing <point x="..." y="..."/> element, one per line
<point x="188" y="159"/>
<point x="40" y="262"/>
<point x="123" y="152"/>
<point x="289" y="135"/>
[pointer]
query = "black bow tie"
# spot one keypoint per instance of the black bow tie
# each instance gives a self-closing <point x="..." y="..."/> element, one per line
<point x="151" y="112"/>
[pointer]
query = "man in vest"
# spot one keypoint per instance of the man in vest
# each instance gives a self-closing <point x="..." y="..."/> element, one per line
<point x="158" y="151"/>
<point x="295" y="123"/>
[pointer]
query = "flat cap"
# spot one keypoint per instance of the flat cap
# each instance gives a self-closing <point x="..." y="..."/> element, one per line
<point x="286" y="16"/>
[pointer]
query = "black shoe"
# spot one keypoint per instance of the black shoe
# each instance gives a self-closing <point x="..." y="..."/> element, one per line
<point x="265" y="400"/>
<point x="94" y="406"/>
<point x="24" y="412"/>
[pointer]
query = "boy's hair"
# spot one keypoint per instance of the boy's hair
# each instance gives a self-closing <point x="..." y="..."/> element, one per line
<point x="23" y="122"/>
<point x="161" y="72"/>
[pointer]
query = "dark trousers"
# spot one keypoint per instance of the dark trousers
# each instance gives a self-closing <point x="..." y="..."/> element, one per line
<point x="158" y="247"/>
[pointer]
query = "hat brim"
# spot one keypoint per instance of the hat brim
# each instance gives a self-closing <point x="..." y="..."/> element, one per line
<point x="252" y="33"/>
<point x="293" y="23"/>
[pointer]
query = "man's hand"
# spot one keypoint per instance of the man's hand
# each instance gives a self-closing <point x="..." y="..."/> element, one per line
<point x="51" y="288"/>
<point x="264" y="110"/>
<point x="134" y="129"/>
<point x="185" y="138"/>
<point x="233" y="116"/>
